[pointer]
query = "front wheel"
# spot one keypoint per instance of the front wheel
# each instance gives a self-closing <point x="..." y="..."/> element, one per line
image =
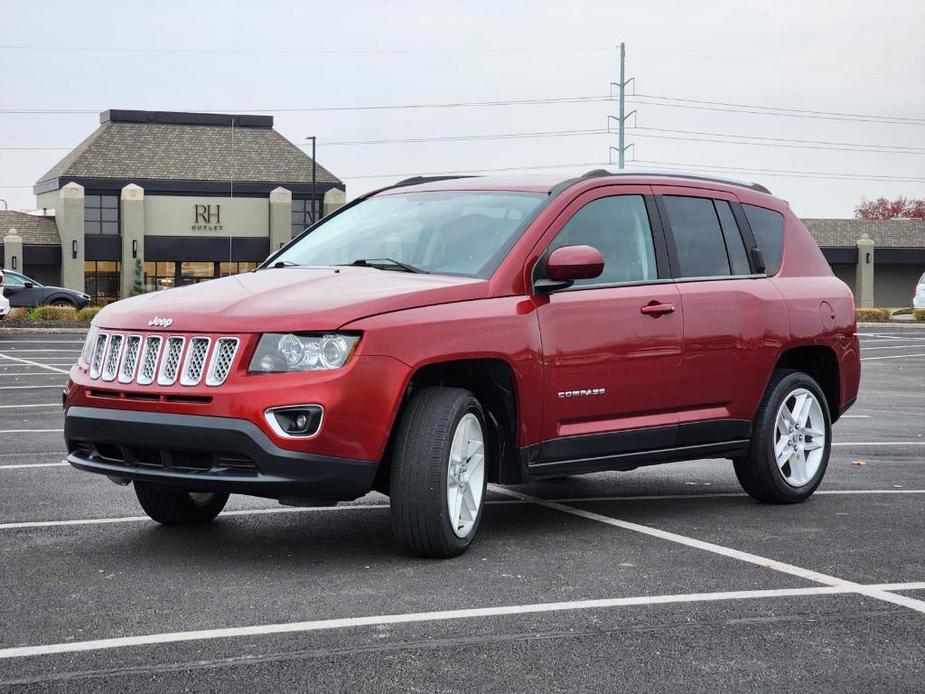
<point x="790" y="445"/>
<point x="178" y="507"/>
<point x="62" y="303"/>
<point x="439" y="473"/>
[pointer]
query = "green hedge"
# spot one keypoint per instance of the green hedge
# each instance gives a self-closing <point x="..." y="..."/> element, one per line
<point x="872" y="314"/>
<point x="53" y="313"/>
<point x="89" y="313"/>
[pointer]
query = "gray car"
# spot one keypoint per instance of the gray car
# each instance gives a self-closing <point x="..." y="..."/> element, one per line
<point x="25" y="291"/>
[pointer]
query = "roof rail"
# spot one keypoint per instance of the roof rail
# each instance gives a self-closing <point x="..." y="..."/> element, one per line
<point x="417" y="180"/>
<point x="595" y="173"/>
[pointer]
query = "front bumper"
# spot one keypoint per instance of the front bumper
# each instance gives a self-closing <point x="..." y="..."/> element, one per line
<point x="204" y="453"/>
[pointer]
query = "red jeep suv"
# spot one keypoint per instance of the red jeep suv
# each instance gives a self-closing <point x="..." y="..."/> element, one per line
<point x="442" y="333"/>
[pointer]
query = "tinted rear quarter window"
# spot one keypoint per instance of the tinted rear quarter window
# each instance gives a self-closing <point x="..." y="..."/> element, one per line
<point x="768" y="230"/>
<point x="697" y="236"/>
<point x="734" y="244"/>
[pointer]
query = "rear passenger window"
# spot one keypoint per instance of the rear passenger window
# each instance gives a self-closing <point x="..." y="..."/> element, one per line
<point x="768" y="230"/>
<point x="618" y="227"/>
<point x="697" y="236"/>
<point x="734" y="245"/>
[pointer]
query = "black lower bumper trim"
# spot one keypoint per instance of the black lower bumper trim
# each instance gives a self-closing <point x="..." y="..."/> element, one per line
<point x="159" y="447"/>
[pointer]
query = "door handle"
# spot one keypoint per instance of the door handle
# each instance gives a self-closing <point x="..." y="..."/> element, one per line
<point x="655" y="309"/>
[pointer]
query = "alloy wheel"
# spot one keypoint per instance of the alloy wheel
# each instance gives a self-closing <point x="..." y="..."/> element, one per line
<point x="465" y="479"/>
<point x="799" y="437"/>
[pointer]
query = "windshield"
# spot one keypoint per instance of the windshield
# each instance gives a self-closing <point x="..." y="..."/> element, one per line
<point x="456" y="233"/>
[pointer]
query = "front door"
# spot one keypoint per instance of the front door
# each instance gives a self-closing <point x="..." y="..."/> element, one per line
<point x="612" y="345"/>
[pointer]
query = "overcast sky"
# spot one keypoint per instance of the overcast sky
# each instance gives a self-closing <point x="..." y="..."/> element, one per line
<point x="832" y="56"/>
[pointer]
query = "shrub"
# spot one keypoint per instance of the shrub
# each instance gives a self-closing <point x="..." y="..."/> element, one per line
<point x="918" y="313"/>
<point x="18" y="314"/>
<point x="88" y="314"/>
<point x="872" y="314"/>
<point x="53" y="313"/>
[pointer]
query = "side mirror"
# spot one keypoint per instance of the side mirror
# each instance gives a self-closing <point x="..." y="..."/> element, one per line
<point x="758" y="263"/>
<point x="569" y="263"/>
<point x="29" y="285"/>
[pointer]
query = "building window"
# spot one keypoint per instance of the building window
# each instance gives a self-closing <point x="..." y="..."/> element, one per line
<point x="101" y="278"/>
<point x="101" y="215"/>
<point x="303" y="215"/>
<point x="159" y="276"/>
<point x="236" y="268"/>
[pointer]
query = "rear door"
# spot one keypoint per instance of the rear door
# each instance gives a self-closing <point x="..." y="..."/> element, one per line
<point x="732" y="316"/>
<point x="611" y="363"/>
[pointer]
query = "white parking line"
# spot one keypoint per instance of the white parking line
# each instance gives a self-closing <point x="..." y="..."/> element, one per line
<point x="871" y="349"/>
<point x="443" y="615"/>
<point x="29" y="373"/>
<point x="766" y="562"/>
<point x="878" y="443"/>
<point x="14" y="525"/>
<point x="57" y="385"/>
<point x="47" y="404"/>
<point x="19" y="466"/>
<point x="893" y="356"/>
<point x="31" y="431"/>
<point x="33" y="363"/>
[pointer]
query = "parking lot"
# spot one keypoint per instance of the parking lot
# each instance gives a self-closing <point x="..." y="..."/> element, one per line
<point x="665" y="578"/>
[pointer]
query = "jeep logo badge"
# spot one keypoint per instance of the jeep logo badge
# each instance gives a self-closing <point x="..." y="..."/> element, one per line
<point x="158" y="322"/>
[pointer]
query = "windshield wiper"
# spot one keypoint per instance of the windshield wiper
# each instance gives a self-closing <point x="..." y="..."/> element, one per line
<point x="278" y="264"/>
<point x="386" y="264"/>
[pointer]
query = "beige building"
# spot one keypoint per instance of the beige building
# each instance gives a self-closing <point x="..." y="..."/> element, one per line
<point x="191" y="196"/>
<point x="163" y="199"/>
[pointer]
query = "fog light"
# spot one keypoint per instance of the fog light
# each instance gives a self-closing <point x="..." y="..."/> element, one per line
<point x="295" y="420"/>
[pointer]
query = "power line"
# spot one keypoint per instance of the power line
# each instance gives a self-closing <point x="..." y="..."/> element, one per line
<point x="308" y="51"/>
<point x="787" y="173"/>
<point x="315" y="109"/>
<point x="780" y="139"/>
<point x="778" y="108"/>
<point x="883" y="120"/>
<point x="778" y="144"/>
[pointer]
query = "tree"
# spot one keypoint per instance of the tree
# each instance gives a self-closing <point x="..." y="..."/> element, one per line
<point x="881" y="208"/>
<point x="137" y="288"/>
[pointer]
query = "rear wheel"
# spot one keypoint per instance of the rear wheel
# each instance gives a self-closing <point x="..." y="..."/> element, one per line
<point x="179" y="507"/>
<point x="791" y="440"/>
<point x="439" y="473"/>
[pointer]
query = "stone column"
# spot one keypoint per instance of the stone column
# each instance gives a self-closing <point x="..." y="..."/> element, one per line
<point x="864" y="279"/>
<point x="334" y="199"/>
<point x="132" y="222"/>
<point x="69" y="216"/>
<point x="12" y="251"/>
<point x="280" y="218"/>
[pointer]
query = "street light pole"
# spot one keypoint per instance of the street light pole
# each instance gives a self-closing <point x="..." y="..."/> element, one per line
<point x="313" y="139"/>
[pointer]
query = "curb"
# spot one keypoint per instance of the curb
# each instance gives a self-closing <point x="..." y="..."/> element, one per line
<point x="44" y="331"/>
<point x="893" y="324"/>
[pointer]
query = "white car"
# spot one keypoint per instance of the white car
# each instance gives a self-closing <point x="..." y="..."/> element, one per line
<point x="918" y="301"/>
<point x="4" y="302"/>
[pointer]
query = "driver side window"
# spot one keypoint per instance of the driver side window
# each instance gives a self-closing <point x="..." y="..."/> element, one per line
<point x="13" y="280"/>
<point x="617" y="226"/>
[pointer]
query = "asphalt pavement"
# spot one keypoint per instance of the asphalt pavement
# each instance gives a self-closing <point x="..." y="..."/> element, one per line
<point x="665" y="578"/>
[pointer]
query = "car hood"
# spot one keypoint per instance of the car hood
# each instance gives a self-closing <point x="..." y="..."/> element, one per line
<point x="288" y="299"/>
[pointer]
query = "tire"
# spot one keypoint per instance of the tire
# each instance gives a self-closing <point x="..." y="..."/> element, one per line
<point x="63" y="303"/>
<point x="421" y="482"/>
<point x="792" y="481"/>
<point x="179" y="508"/>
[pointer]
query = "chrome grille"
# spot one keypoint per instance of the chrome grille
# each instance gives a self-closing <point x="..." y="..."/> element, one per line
<point x="98" y="352"/>
<point x="222" y="359"/>
<point x="195" y="361"/>
<point x="130" y="359"/>
<point x="112" y="357"/>
<point x="170" y="364"/>
<point x="149" y="359"/>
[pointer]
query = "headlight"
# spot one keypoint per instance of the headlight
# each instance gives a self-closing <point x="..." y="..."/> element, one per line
<point x="289" y="352"/>
<point x="87" y="352"/>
